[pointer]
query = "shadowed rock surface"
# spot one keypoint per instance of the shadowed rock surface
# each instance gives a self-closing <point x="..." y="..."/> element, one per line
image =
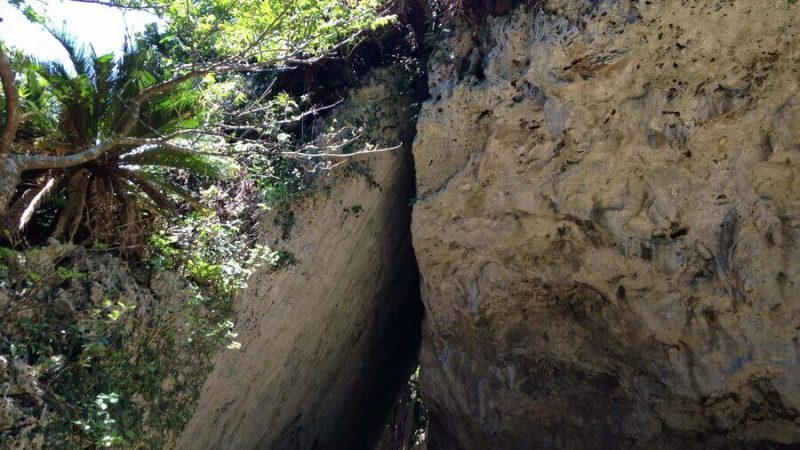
<point x="606" y="223"/>
<point x="607" y="228"/>
<point x="327" y="342"/>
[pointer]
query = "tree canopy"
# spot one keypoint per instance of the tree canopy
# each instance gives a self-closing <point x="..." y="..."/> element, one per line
<point x="250" y="32"/>
<point x="153" y="155"/>
<point x="88" y="134"/>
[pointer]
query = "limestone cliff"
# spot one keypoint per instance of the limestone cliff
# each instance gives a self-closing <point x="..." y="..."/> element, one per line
<point x="607" y="228"/>
<point x="93" y="298"/>
<point x="328" y="341"/>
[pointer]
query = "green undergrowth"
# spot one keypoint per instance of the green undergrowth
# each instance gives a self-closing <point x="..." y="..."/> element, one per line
<point x="115" y="351"/>
<point x="103" y="348"/>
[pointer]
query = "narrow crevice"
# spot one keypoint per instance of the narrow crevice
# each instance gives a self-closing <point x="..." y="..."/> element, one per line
<point x="390" y="414"/>
<point x="400" y="419"/>
<point x="378" y="416"/>
<point x="405" y="417"/>
<point x="393" y="357"/>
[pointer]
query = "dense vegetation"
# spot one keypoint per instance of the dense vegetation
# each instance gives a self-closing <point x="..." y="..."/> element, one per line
<point x="151" y="168"/>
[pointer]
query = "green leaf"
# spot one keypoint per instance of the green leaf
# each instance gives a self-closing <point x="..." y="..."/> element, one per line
<point x="209" y="166"/>
<point x="33" y="276"/>
<point x="67" y="274"/>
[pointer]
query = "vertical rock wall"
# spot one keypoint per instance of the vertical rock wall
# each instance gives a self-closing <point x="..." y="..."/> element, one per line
<point x="328" y="341"/>
<point x="607" y="228"/>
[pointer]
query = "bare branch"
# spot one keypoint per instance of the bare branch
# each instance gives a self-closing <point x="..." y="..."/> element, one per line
<point x="163" y="143"/>
<point x="9" y="130"/>
<point x="228" y="65"/>
<point x="33" y="162"/>
<point x="310" y="112"/>
<point x="117" y="4"/>
<point x="341" y="155"/>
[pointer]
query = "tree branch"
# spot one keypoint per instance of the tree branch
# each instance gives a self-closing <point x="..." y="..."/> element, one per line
<point x="117" y="4"/>
<point x="33" y="162"/>
<point x="12" y="119"/>
<point x="341" y="155"/>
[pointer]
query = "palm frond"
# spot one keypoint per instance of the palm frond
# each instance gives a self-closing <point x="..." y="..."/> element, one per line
<point x="39" y="105"/>
<point x="84" y="95"/>
<point x="169" y="186"/>
<point x="101" y="208"/>
<point x="151" y="190"/>
<point x="103" y="81"/>
<point x="131" y="228"/>
<point x="173" y="112"/>
<point x="75" y="94"/>
<point x="21" y="212"/>
<point x="80" y="58"/>
<point x="72" y="215"/>
<point x="204" y="165"/>
<point x="52" y="71"/>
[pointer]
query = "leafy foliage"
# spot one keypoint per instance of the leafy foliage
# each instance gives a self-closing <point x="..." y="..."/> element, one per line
<point x="113" y="198"/>
<point x="120" y="366"/>
<point x="268" y="29"/>
<point x="263" y="30"/>
<point x="216" y="251"/>
<point x="117" y="120"/>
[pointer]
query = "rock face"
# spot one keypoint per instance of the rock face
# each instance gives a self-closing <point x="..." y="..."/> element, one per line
<point x="76" y="301"/>
<point x="328" y="341"/>
<point x="607" y="228"/>
<point x="22" y="408"/>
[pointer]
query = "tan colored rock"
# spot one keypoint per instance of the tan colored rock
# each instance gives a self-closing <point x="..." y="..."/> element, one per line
<point x="608" y="225"/>
<point x="326" y="342"/>
<point x="30" y="416"/>
<point x="22" y="410"/>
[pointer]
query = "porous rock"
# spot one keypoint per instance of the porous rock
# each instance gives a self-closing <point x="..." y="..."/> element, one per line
<point x="607" y="228"/>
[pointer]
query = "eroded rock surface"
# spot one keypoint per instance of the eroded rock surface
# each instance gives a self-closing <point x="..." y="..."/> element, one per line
<point x="607" y="228"/>
<point x="74" y="301"/>
<point x="328" y="341"/>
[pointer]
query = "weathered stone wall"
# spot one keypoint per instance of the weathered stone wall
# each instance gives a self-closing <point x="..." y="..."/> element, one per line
<point x="72" y="304"/>
<point x="328" y="341"/>
<point x="607" y="228"/>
